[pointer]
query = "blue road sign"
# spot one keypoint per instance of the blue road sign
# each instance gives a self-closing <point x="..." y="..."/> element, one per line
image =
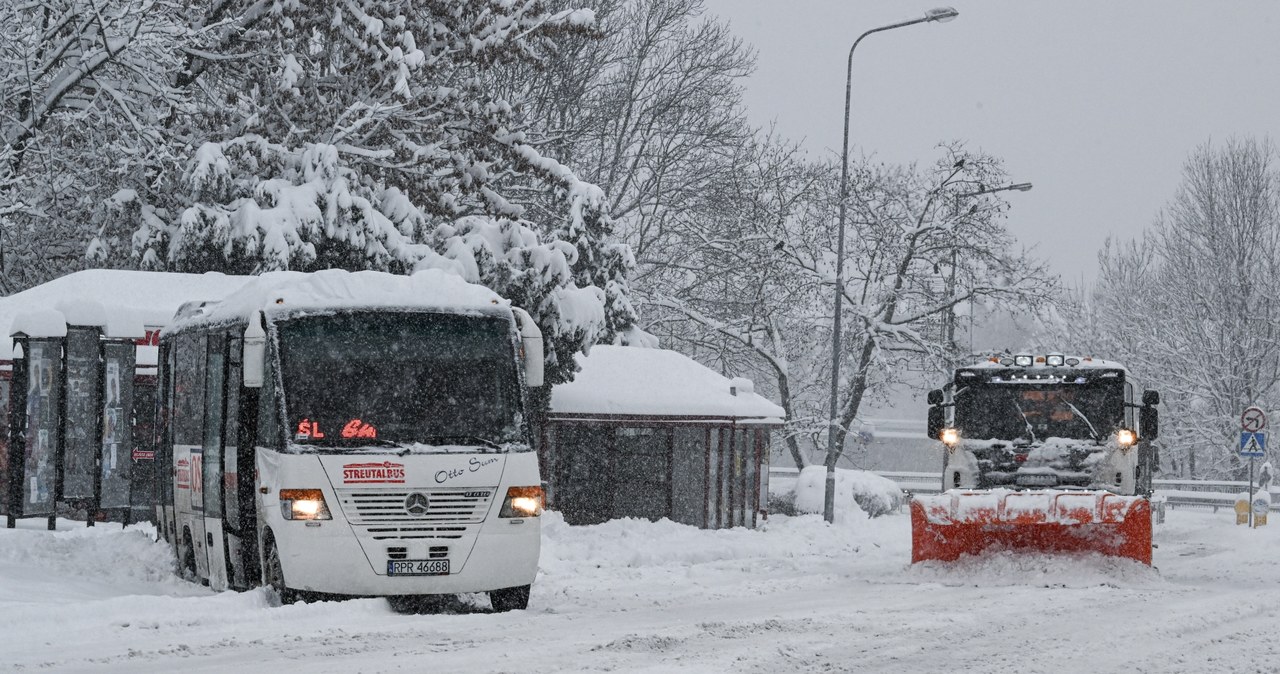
<point x="1253" y="444"/>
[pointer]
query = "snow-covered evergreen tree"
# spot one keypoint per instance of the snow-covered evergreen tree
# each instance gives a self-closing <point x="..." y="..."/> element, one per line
<point x="367" y="135"/>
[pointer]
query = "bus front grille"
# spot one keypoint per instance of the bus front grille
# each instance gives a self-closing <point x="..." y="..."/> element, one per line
<point x="381" y="533"/>
<point x="426" y="512"/>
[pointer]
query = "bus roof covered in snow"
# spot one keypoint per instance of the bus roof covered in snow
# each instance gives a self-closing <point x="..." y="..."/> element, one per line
<point x="291" y="293"/>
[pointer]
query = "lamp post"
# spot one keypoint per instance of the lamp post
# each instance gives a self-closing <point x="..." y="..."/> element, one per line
<point x="939" y="14"/>
<point x="951" y="282"/>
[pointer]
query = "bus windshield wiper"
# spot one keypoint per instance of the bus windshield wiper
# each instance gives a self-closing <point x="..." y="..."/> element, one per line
<point x="352" y="443"/>
<point x="469" y="439"/>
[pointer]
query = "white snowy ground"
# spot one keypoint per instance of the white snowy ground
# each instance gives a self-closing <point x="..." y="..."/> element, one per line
<point x="660" y="597"/>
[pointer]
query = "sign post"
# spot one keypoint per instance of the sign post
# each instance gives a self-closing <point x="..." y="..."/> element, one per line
<point x="1253" y="443"/>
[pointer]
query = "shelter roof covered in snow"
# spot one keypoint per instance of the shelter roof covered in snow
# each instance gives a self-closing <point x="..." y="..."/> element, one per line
<point x="633" y="381"/>
<point x="123" y="301"/>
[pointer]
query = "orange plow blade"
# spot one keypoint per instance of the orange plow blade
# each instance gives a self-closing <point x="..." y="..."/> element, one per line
<point x="945" y="526"/>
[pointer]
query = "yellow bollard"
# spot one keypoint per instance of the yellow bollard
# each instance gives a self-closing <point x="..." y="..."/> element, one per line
<point x="1260" y="508"/>
<point x="1242" y="511"/>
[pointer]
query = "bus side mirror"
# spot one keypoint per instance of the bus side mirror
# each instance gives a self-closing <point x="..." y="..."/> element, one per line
<point x="255" y="352"/>
<point x="1150" y="397"/>
<point x="1149" y="420"/>
<point x="531" y="345"/>
<point x="935" y="397"/>
<point x="937" y="420"/>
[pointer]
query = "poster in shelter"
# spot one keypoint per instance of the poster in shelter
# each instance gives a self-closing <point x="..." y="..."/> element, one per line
<point x="5" y="383"/>
<point x="116" y="436"/>
<point x="81" y="421"/>
<point x="39" y="470"/>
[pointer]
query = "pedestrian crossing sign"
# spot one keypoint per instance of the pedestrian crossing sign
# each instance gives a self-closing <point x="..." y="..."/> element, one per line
<point x="1253" y="443"/>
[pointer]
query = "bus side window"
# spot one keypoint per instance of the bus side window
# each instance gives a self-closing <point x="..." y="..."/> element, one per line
<point x="268" y="411"/>
<point x="1128" y="411"/>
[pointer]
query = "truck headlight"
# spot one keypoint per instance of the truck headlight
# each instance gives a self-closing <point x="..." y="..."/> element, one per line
<point x="303" y="504"/>
<point x="522" y="502"/>
<point x="949" y="437"/>
<point x="1125" y="438"/>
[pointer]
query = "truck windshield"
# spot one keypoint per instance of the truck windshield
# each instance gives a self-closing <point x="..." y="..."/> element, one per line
<point x="1007" y="411"/>
<point x="365" y="379"/>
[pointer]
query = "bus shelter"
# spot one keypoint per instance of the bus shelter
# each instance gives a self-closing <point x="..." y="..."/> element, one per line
<point x="77" y="390"/>
<point x="652" y="433"/>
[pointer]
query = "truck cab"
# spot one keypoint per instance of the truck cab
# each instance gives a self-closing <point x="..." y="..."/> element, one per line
<point x="1047" y="421"/>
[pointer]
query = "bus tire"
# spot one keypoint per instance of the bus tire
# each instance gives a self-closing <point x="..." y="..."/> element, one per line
<point x="510" y="599"/>
<point x="273" y="574"/>
<point x="189" y="558"/>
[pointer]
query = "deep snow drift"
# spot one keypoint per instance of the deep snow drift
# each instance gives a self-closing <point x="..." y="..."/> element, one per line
<point x="630" y="595"/>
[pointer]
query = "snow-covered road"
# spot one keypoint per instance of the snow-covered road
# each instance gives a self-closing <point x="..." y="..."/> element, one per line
<point x="659" y="597"/>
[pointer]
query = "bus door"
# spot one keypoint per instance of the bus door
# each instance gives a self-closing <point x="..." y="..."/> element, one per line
<point x="239" y="521"/>
<point x="214" y="410"/>
<point x="187" y="412"/>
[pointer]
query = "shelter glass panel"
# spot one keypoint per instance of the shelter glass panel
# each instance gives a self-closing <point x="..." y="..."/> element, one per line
<point x="641" y="473"/>
<point x="749" y="475"/>
<point x="688" y="474"/>
<point x="725" y="456"/>
<point x="584" y="472"/>
<point x="713" y="478"/>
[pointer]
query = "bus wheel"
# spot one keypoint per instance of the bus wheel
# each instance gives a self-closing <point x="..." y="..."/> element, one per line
<point x="510" y="599"/>
<point x="189" y="559"/>
<point x="275" y="576"/>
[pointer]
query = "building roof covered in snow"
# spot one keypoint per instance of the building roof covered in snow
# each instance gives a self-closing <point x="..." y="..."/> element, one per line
<point x="124" y="302"/>
<point x="626" y="381"/>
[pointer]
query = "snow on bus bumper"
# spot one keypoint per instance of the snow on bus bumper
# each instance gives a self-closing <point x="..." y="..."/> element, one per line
<point x="329" y="559"/>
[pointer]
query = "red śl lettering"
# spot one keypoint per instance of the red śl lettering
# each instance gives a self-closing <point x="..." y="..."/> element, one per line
<point x="309" y="429"/>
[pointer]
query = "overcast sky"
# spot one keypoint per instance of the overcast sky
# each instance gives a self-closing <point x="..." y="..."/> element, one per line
<point x="1097" y="103"/>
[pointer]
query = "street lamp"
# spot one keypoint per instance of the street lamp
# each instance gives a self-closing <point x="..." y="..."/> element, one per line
<point x="939" y="14"/>
<point x="951" y="283"/>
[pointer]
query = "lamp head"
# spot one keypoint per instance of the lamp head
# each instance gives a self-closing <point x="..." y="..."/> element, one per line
<point x="941" y="14"/>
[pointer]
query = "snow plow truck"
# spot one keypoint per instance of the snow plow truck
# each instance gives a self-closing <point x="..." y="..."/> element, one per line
<point x="1049" y="453"/>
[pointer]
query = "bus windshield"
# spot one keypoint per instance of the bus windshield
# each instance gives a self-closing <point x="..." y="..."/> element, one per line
<point x="1007" y="411"/>
<point x="377" y="378"/>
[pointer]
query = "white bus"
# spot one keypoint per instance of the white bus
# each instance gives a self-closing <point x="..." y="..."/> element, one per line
<point x="353" y="434"/>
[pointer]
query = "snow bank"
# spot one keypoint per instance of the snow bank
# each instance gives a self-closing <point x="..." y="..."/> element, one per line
<point x="859" y="493"/>
<point x="100" y="561"/>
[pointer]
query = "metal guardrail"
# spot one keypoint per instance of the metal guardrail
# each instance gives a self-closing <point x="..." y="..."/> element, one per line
<point x="1175" y="493"/>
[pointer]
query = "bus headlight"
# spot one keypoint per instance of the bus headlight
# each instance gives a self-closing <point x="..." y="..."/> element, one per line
<point x="1125" y="438"/>
<point x="303" y="504"/>
<point x="949" y="436"/>
<point x="522" y="502"/>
